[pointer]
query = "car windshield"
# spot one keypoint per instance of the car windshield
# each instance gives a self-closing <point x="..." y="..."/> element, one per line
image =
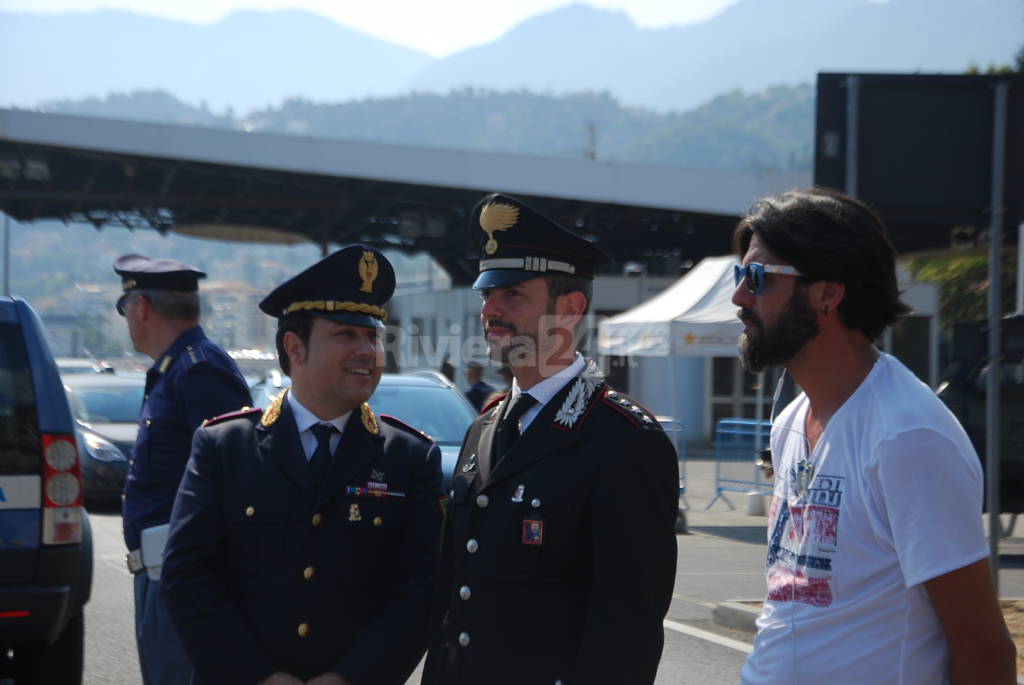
<point x="114" y="404"/>
<point x="438" y="412"/>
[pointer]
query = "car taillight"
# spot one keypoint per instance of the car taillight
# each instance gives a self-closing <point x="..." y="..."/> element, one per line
<point x="62" y="490"/>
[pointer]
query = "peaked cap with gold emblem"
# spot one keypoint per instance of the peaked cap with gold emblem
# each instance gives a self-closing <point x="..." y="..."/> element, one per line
<point x="350" y="286"/>
<point x="519" y="243"/>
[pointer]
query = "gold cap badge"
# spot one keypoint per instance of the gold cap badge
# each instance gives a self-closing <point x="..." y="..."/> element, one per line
<point x="497" y="216"/>
<point x="368" y="270"/>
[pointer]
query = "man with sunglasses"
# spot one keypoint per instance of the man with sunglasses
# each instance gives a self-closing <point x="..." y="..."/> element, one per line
<point x="191" y="380"/>
<point x="877" y="565"/>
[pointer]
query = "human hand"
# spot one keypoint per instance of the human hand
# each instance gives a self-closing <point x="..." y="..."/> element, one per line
<point x="280" y="678"/>
<point x="329" y="678"/>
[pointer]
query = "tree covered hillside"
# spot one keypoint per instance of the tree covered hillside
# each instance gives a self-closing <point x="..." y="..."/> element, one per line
<point x="736" y="131"/>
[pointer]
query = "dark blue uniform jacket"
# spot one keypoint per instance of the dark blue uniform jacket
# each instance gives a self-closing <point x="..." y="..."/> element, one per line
<point x="266" y="570"/>
<point x="192" y="381"/>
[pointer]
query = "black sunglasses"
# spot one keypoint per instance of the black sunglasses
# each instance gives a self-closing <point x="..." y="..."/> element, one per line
<point x="753" y="274"/>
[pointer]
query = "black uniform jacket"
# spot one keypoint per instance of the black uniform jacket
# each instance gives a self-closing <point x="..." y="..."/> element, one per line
<point x="267" y="571"/>
<point x="557" y="565"/>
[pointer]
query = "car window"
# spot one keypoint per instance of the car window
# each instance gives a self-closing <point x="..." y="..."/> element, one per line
<point x="438" y="412"/>
<point x="19" y="432"/>
<point x="117" y="404"/>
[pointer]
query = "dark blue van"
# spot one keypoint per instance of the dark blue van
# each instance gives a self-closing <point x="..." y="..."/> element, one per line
<point x="45" y="540"/>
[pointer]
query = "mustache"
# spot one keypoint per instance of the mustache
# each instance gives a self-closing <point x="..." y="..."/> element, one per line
<point x="748" y="317"/>
<point x="491" y="323"/>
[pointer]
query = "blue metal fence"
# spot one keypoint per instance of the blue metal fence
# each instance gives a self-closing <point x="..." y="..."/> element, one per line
<point x="737" y="442"/>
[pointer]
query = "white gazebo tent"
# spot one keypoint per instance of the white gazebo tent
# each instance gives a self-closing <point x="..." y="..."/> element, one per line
<point x="694" y="317"/>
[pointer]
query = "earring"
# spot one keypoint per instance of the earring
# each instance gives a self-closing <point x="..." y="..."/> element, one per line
<point x="824" y="310"/>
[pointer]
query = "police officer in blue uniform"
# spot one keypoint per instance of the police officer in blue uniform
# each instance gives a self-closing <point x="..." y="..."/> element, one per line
<point x="191" y="380"/>
<point x="304" y="538"/>
<point x="559" y="550"/>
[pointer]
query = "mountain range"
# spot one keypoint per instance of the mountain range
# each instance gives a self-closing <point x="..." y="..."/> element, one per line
<point x="255" y="60"/>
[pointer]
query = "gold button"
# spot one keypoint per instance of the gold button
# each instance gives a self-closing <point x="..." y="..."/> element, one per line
<point x="317" y="518"/>
<point x="249" y="511"/>
<point x="308" y="573"/>
<point x="303" y="629"/>
<point x="378" y="521"/>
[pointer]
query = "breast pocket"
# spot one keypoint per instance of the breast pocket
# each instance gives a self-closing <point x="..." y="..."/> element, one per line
<point x="257" y="525"/>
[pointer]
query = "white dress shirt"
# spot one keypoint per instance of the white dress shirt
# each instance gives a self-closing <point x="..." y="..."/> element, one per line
<point x="305" y="419"/>
<point x="546" y="389"/>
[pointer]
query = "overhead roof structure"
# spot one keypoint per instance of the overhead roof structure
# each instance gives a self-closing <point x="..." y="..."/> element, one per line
<point x="236" y="185"/>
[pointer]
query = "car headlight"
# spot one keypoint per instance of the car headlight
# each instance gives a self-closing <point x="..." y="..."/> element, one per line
<point x="101" y="449"/>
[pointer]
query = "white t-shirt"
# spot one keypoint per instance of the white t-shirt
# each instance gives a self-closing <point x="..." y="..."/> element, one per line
<point x="890" y="497"/>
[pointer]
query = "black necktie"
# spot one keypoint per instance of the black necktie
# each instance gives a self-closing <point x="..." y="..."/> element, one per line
<point x="320" y="462"/>
<point x="508" y="428"/>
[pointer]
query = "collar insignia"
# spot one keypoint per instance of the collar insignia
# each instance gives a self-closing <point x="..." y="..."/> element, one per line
<point x="164" y="363"/>
<point x="273" y="411"/>
<point x="369" y="419"/>
<point x="575" y="401"/>
<point x="497" y="216"/>
<point x="368" y="270"/>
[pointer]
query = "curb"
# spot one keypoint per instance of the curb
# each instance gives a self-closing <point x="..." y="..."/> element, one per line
<point x="736" y="615"/>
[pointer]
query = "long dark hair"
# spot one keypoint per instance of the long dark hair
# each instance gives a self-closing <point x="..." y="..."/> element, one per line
<point x="829" y="236"/>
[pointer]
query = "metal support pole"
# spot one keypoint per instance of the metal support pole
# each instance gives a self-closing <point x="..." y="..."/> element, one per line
<point x="852" y="125"/>
<point x="7" y="255"/>
<point x="995" y="277"/>
<point x="1020" y="269"/>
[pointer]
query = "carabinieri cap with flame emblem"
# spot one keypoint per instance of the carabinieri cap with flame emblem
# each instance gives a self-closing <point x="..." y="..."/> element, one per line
<point x="519" y="243"/>
<point x="350" y="286"/>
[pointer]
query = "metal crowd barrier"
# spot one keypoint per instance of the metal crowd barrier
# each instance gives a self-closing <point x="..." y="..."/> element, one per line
<point x="737" y="442"/>
<point x="675" y="432"/>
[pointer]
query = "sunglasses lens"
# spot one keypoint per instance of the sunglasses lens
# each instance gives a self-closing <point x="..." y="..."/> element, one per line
<point x="755" y="278"/>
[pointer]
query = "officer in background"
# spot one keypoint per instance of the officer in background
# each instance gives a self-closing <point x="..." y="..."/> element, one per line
<point x="304" y="540"/>
<point x="478" y="390"/>
<point x="191" y="380"/>
<point x="559" y="551"/>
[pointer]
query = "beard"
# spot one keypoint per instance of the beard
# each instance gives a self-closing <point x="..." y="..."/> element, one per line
<point x="764" y="347"/>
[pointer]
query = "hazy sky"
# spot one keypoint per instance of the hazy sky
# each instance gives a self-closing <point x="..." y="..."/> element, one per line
<point x="437" y="27"/>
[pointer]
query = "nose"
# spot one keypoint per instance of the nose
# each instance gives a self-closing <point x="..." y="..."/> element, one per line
<point x="489" y="308"/>
<point x="741" y="295"/>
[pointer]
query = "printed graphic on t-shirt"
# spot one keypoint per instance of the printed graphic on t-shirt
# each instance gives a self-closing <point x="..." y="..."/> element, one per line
<point x="804" y="540"/>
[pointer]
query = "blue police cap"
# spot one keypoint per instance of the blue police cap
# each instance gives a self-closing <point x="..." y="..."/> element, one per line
<point x="350" y="286"/>
<point x="142" y="273"/>
<point x="519" y="243"/>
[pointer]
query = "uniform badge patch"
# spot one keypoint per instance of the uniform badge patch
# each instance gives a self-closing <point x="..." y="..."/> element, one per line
<point x="353" y="513"/>
<point x="517" y="496"/>
<point x="533" y="532"/>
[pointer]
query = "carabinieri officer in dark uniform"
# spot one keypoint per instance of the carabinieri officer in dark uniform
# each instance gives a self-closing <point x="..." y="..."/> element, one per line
<point x="559" y="552"/>
<point x="191" y="380"/>
<point x="304" y="539"/>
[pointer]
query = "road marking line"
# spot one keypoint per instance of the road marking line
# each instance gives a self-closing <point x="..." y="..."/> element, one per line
<point x="708" y="635"/>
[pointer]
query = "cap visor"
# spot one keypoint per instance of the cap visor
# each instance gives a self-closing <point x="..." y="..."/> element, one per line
<point x="499" y="278"/>
<point x="351" y="319"/>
